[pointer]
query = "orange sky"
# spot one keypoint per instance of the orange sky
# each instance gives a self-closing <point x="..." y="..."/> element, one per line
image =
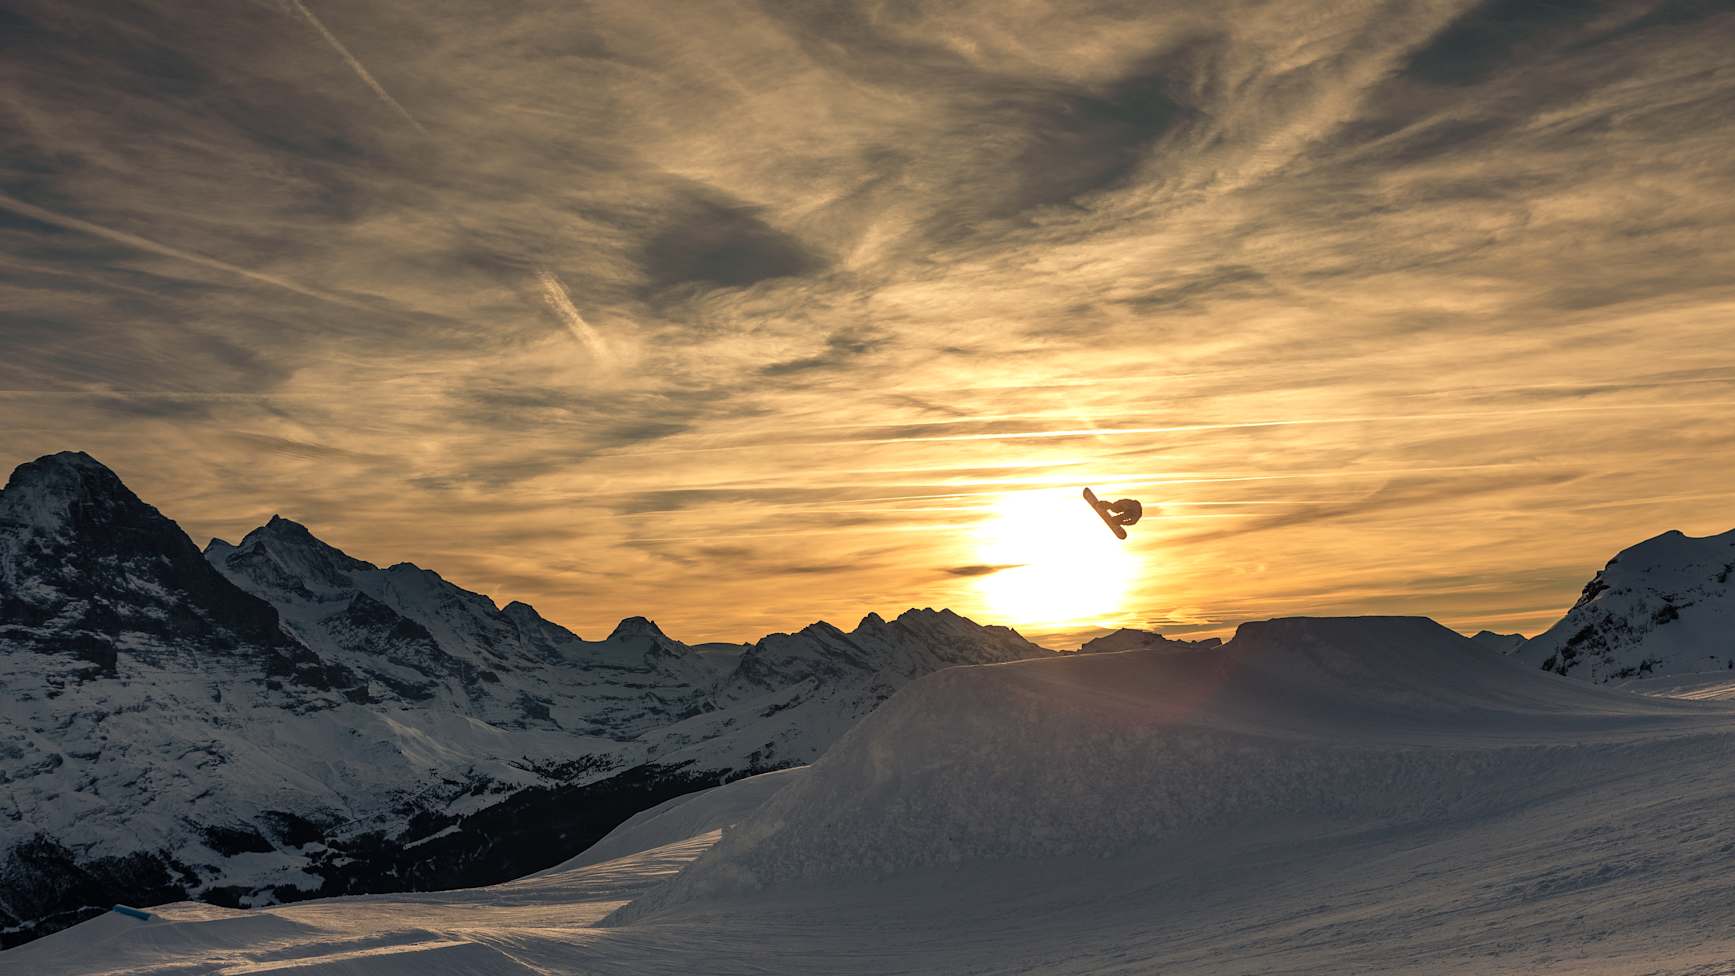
<point x="740" y="316"/>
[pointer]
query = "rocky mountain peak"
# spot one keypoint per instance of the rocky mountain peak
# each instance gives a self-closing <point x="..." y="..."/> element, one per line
<point x="521" y="611"/>
<point x="72" y="492"/>
<point x="636" y="627"/>
<point x="284" y="553"/>
<point x="80" y="554"/>
<point x="278" y="527"/>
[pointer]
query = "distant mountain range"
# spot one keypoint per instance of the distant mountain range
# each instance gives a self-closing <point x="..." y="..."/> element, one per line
<point x="275" y="719"/>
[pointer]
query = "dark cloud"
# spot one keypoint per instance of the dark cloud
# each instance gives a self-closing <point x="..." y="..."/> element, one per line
<point x="977" y="569"/>
<point x="1076" y="143"/>
<point x="708" y="240"/>
<point x="1230" y="280"/>
<point x="1496" y="35"/>
<point x="305" y="450"/>
<point x="725" y="553"/>
<point x="924" y="405"/>
<point x="841" y="349"/>
<point x="153" y="408"/>
<point x="811" y="569"/>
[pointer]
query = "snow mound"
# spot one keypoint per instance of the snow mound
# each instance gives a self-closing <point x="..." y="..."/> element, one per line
<point x="1338" y="724"/>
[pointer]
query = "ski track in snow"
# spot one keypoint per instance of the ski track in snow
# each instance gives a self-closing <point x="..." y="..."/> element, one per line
<point x="1535" y="824"/>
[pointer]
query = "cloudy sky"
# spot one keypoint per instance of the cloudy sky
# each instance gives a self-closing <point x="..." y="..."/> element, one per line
<point x="740" y="315"/>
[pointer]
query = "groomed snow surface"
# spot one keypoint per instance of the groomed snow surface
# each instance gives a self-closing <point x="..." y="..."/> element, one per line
<point x="1317" y="796"/>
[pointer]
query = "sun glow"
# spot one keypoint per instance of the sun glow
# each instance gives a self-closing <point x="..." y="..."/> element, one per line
<point x="1062" y="566"/>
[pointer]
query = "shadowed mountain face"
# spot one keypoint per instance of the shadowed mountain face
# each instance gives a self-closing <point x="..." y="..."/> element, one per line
<point x="86" y="568"/>
<point x="275" y="719"/>
<point x="64" y="512"/>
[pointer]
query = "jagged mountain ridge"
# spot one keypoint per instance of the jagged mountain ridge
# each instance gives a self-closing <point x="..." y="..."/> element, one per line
<point x="1662" y="607"/>
<point x="416" y="638"/>
<point x="275" y="718"/>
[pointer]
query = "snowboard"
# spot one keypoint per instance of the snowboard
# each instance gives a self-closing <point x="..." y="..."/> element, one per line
<point x="1101" y="510"/>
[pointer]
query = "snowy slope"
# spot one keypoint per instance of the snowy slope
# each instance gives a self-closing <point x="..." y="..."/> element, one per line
<point x="1663" y="607"/>
<point x="1339" y="722"/>
<point x="1316" y="797"/>
<point x="684" y="817"/>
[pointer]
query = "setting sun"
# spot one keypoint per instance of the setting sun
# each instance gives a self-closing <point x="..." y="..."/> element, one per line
<point x="1062" y="566"/>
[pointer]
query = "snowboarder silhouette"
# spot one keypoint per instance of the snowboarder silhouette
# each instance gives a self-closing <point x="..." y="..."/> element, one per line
<point x="1116" y="514"/>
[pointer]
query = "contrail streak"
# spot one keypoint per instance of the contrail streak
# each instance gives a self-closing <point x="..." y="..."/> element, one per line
<point x="356" y="65"/>
<point x="146" y="244"/>
<point x="556" y="295"/>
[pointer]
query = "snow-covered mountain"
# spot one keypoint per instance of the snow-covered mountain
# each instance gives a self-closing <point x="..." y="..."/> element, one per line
<point x="791" y="695"/>
<point x="1663" y="607"/>
<point x="415" y="638"/>
<point x="276" y="718"/>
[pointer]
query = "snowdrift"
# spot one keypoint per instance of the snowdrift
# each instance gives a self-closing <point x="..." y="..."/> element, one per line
<point x="1297" y="724"/>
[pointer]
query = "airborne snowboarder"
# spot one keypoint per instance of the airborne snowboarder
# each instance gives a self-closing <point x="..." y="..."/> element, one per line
<point x="1116" y="514"/>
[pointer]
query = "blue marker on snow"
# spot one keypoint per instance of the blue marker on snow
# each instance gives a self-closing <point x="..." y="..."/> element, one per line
<point x="132" y="913"/>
